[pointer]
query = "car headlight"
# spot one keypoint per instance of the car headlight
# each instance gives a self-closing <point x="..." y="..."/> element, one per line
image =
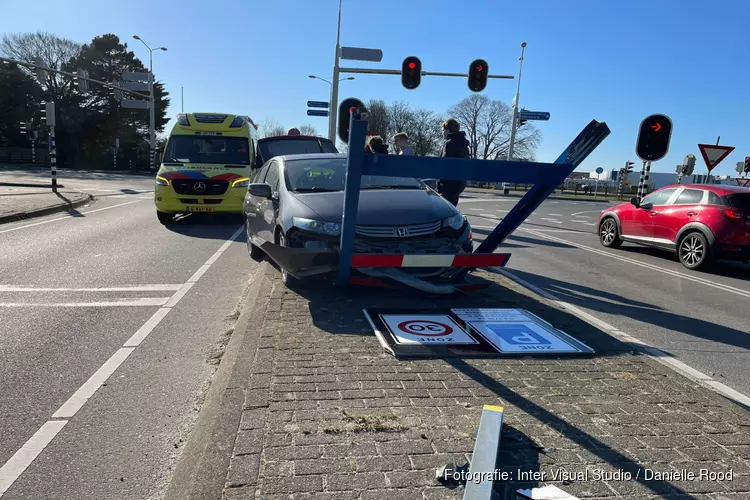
<point x="455" y="222"/>
<point x="317" y="226"/>
<point x="241" y="183"/>
<point x="161" y="181"/>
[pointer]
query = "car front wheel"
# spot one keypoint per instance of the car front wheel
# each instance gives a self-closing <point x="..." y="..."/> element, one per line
<point x="608" y="233"/>
<point x="693" y="251"/>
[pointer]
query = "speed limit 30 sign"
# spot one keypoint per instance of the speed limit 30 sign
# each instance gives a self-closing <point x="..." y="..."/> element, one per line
<point x="426" y="329"/>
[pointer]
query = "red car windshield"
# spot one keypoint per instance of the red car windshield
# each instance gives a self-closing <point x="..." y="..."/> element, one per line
<point x="740" y="201"/>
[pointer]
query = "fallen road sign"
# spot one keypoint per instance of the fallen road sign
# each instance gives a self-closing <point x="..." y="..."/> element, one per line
<point x="713" y="154"/>
<point x="422" y="329"/>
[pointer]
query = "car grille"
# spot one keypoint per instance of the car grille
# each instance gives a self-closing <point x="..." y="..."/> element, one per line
<point x="201" y="118"/>
<point x="187" y="186"/>
<point x="195" y="201"/>
<point x="411" y="231"/>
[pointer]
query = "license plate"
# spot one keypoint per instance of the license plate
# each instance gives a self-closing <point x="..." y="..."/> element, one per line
<point x="199" y="209"/>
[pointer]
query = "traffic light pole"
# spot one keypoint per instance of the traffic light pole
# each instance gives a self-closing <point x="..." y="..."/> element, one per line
<point x="372" y="71"/>
<point x="514" y="121"/>
<point x="333" y="107"/>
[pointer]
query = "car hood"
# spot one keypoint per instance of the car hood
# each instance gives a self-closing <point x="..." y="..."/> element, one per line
<point x="382" y="206"/>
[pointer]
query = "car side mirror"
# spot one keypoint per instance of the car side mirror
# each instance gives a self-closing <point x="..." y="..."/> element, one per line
<point x="261" y="190"/>
<point x="635" y="202"/>
<point x="431" y="183"/>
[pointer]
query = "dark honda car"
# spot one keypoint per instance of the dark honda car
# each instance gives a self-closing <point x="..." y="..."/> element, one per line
<point x="297" y="201"/>
<point x="280" y="145"/>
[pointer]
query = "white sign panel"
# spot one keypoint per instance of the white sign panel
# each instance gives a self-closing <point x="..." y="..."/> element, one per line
<point x="522" y="337"/>
<point x="435" y="329"/>
<point x="492" y="314"/>
<point x="134" y="103"/>
<point x="134" y="76"/>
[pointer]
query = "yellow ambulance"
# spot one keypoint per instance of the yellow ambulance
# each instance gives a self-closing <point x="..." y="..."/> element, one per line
<point x="206" y="165"/>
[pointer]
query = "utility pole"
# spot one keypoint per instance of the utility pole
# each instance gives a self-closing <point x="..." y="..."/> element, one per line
<point x="514" y="124"/>
<point x="334" y="105"/>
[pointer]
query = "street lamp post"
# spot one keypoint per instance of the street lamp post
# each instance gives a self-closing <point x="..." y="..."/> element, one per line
<point x="514" y="124"/>
<point x="333" y="105"/>
<point x="334" y="102"/>
<point x="152" y="110"/>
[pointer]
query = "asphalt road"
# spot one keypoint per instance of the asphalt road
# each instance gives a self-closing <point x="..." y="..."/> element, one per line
<point x="702" y="319"/>
<point x="113" y="408"/>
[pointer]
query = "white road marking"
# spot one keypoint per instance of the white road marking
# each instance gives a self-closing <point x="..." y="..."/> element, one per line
<point x="581" y="221"/>
<point x="145" y="197"/>
<point x="475" y="209"/>
<point x="502" y="211"/>
<point x="590" y="223"/>
<point x="24" y="457"/>
<point x="487" y="215"/>
<point x="477" y="200"/>
<point x="578" y="214"/>
<point x="126" y="288"/>
<point x="653" y="352"/>
<point x="89" y="388"/>
<point x="551" y="220"/>
<point x="139" y="302"/>
<point x="555" y="215"/>
<point x="21" y="459"/>
<point x="67" y="217"/>
<point x="522" y="227"/>
<point x="695" y="279"/>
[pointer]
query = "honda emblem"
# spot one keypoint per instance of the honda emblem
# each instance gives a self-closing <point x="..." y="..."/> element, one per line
<point x="402" y="232"/>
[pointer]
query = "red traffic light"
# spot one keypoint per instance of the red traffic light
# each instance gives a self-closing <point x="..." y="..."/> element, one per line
<point x="411" y="72"/>
<point x="478" y="75"/>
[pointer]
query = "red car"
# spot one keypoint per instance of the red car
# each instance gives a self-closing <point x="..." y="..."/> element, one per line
<point x="700" y="223"/>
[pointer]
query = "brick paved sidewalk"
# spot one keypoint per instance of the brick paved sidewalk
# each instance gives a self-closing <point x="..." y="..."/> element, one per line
<point x="330" y="416"/>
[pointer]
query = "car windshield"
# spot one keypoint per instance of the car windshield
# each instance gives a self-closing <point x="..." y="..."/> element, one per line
<point x="741" y="201"/>
<point x="202" y="149"/>
<point x="270" y="148"/>
<point x="328" y="174"/>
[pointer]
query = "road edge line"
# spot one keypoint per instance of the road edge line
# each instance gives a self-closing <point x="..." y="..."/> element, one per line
<point x="202" y="467"/>
<point x="5" y="219"/>
<point x="644" y="348"/>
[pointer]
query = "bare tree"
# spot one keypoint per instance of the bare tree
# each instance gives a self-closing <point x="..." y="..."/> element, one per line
<point x="308" y="130"/>
<point x="271" y="127"/>
<point x="424" y="132"/>
<point x="55" y="52"/>
<point x="378" y="119"/>
<point x="487" y="124"/>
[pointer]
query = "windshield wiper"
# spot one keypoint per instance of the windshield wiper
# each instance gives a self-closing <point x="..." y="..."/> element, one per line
<point x="393" y="187"/>
<point x="315" y="190"/>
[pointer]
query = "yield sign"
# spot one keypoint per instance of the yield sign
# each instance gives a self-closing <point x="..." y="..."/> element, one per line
<point x="713" y="154"/>
<point x="742" y="182"/>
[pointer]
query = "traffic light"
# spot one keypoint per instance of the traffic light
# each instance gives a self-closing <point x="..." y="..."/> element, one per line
<point x="685" y="170"/>
<point x="747" y="165"/>
<point x="629" y="166"/>
<point x="345" y="116"/>
<point x="688" y="165"/>
<point x="478" y="73"/>
<point x="653" y="138"/>
<point x="411" y="72"/>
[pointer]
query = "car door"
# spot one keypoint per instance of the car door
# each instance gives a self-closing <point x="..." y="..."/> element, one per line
<point x="641" y="226"/>
<point x="668" y="220"/>
<point x="269" y="209"/>
<point x="254" y="204"/>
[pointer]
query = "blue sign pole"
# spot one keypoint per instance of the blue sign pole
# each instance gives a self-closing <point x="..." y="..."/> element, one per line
<point x="357" y="134"/>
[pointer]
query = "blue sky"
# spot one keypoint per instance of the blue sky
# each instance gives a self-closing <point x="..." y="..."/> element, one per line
<point x="614" y="61"/>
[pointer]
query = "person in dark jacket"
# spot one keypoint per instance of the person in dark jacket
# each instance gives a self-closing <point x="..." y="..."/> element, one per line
<point x="376" y="145"/>
<point x="456" y="146"/>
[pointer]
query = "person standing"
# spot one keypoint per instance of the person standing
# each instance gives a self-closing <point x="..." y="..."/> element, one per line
<point x="456" y="146"/>
<point x="376" y="145"/>
<point x="401" y="142"/>
<point x="294" y="131"/>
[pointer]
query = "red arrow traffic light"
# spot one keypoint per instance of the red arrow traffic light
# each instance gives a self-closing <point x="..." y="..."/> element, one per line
<point x="656" y="127"/>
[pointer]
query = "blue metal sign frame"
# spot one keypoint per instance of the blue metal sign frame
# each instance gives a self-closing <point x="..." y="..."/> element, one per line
<point x="545" y="178"/>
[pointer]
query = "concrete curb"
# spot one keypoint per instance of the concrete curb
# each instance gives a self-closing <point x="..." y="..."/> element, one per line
<point x="29" y="185"/>
<point x="201" y="471"/>
<point x="62" y="207"/>
<point x="653" y="353"/>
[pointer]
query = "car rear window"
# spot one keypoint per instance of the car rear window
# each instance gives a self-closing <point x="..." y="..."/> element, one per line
<point x="741" y="201"/>
<point x="281" y="147"/>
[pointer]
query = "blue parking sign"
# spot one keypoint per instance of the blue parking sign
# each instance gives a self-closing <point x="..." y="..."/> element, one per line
<point x="515" y="334"/>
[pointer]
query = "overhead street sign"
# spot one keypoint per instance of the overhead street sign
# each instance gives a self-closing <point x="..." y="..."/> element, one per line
<point x="360" y="54"/>
<point x="317" y="112"/>
<point x="134" y="103"/>
<point x="713" y="154"/>
<point x="137" y="86"/>
<point x="533" y="115"/>
<point x="318" y="104"/>
<point x="135" y="76"/>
